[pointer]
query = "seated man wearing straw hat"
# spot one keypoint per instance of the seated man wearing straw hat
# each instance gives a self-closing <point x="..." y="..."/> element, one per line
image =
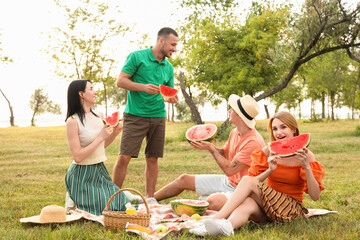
<point x="234" y="158"/>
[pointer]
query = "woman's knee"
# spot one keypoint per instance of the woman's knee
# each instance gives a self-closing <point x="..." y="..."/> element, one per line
<point x="216" y="201"/>
<point x="249" y="181"/>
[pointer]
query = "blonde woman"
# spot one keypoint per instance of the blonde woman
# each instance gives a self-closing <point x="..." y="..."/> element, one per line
<point x="280" y="199"/>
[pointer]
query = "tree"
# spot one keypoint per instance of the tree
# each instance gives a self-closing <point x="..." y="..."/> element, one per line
<point x="40" y="103"/>
<point x="10" y="108"/>
<point x="350" y="92"/>
<point x="326" y="76"/>
<point x="292" y="96"/>
<point x="323" y="26"/>
<point x="222" y="56"/>
<point x="261" y="57"/>
<point x="84" y="47"/>
<point x="6" y="59"/>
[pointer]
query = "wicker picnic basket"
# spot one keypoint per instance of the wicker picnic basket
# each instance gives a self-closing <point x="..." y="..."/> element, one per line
<point x="114" y="220"/>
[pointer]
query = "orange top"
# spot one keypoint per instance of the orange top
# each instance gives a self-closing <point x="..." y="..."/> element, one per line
<point x="240" y="148"/>
<point x="290" y="180"/>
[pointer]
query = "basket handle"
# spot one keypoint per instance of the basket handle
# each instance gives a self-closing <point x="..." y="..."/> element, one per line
<point x="127" y="189"/>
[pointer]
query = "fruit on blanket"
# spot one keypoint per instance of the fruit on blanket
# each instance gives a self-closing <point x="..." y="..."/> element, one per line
<point x="167" y="92"/>
<point x="288" y="146"/>
<point x="189" y="207"/>
<point x="113" y="120"/>
<point x="168" y="216"/>
<point x="196" y="217"/>
<point x="201" y="132"/>
<point x="162" y="229"/>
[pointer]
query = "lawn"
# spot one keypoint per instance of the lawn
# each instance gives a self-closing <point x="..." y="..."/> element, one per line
<point x="34" y="160"/>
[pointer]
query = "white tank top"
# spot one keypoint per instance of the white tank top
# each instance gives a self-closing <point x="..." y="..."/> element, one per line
<point x="87" y="134"/>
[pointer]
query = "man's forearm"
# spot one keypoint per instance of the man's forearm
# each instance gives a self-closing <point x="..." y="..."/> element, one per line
<point x="229" y="168"/>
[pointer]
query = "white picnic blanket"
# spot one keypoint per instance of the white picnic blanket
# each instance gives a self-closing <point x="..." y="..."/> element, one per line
<point x="159" y="211"/>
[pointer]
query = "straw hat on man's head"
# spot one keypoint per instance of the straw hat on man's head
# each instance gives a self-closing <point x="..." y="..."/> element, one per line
<point x="51" y="214"/>
<point x="246" y="107"/>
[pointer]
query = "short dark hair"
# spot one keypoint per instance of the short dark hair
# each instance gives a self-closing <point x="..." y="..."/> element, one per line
<point x="165" y="32"/>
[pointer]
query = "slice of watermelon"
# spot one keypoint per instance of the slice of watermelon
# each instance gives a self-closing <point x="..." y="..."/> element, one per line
<point x="288" y="146"/>
<point x="201" y="132"/>
<point x="167" y="92"/>
<point x="113" y="120"/>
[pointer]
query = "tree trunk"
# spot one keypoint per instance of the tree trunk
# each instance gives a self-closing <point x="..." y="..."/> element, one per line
<point x="195" y="115"/>
<point x="300" y="109"/>
<point x="11" y="110"/>
<point x="332" y="99"/>
<point x="105" y="99"/>
<point x="312" y="112"/>
<point x="173" y="112"/>
<point x="267" y="111"/>
<point x="323" y="105"/>
<point x="33" y="119"/>
<point x="168" y="112"/>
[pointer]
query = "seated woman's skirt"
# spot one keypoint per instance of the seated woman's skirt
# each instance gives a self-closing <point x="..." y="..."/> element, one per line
<point x="278" y="206"/>
<point x="90" y="187"/>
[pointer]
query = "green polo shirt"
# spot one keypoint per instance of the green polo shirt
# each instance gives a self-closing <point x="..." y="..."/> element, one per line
<point x="144" y="68"/>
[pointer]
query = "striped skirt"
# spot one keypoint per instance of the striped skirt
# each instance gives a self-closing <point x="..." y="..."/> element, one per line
<point x="278" y="206"/>
<point x="90" y="187"/>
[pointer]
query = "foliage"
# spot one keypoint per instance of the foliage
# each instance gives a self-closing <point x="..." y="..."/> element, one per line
<point x="40" y="103"/>
<point x="291" y="96"/>
<point x="3" y="58"/>
<point x="350" y="91"/>
<point x="326" y="75"/>
<point x="224" y="56"/>
<point x="81" y="49"/>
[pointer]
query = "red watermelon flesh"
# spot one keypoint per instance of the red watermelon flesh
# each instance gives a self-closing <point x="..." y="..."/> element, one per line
<point x="288" y="146"/>
<point x="113" y="119"/>
<point x="201" y="132"/>
<point x="167" y="92"/>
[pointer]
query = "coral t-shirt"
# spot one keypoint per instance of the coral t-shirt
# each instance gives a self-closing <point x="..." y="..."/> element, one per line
<point x="240" y="148"/>
<point x="290" y="180"/>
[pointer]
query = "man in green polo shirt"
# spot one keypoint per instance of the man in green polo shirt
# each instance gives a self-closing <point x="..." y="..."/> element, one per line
<point x="145" y="113"/>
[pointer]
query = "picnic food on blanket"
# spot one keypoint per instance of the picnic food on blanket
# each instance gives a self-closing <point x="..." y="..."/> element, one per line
<point x="51" y="214"/>
<point x="130" y="209"/>
<point x="189" y="206"/>
<point x="169" y="218"/>
<point x="132" y="226"/>
<point x="288" y="146"/>
<point x="162" y="229"/>
<point x="201" y="132"/>
<point x="196" y="217"/>
<point x="113" y="120"/>
<point x="167" y="92"/>
<point x="114" y="220"/>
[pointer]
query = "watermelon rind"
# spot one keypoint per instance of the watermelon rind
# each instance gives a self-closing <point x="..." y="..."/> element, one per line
<point x="189" y="206"/>
<point x="209" y="138"/>
<point x="286" y="148"/>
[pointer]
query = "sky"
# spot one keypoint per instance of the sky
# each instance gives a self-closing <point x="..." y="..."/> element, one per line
<point x="24" y="26"/>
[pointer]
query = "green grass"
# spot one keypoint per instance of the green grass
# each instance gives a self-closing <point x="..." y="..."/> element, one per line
<point x="34" y="160"/>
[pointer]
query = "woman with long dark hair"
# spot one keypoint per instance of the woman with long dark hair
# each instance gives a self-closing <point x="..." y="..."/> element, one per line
<point x="87" y="179"/>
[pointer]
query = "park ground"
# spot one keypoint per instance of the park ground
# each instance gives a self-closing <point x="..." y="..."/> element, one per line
<point x="34" y="160"/>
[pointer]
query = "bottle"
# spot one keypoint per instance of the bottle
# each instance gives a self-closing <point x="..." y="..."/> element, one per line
<point x="130" y="209"/>
<point x="133" y="226"/>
